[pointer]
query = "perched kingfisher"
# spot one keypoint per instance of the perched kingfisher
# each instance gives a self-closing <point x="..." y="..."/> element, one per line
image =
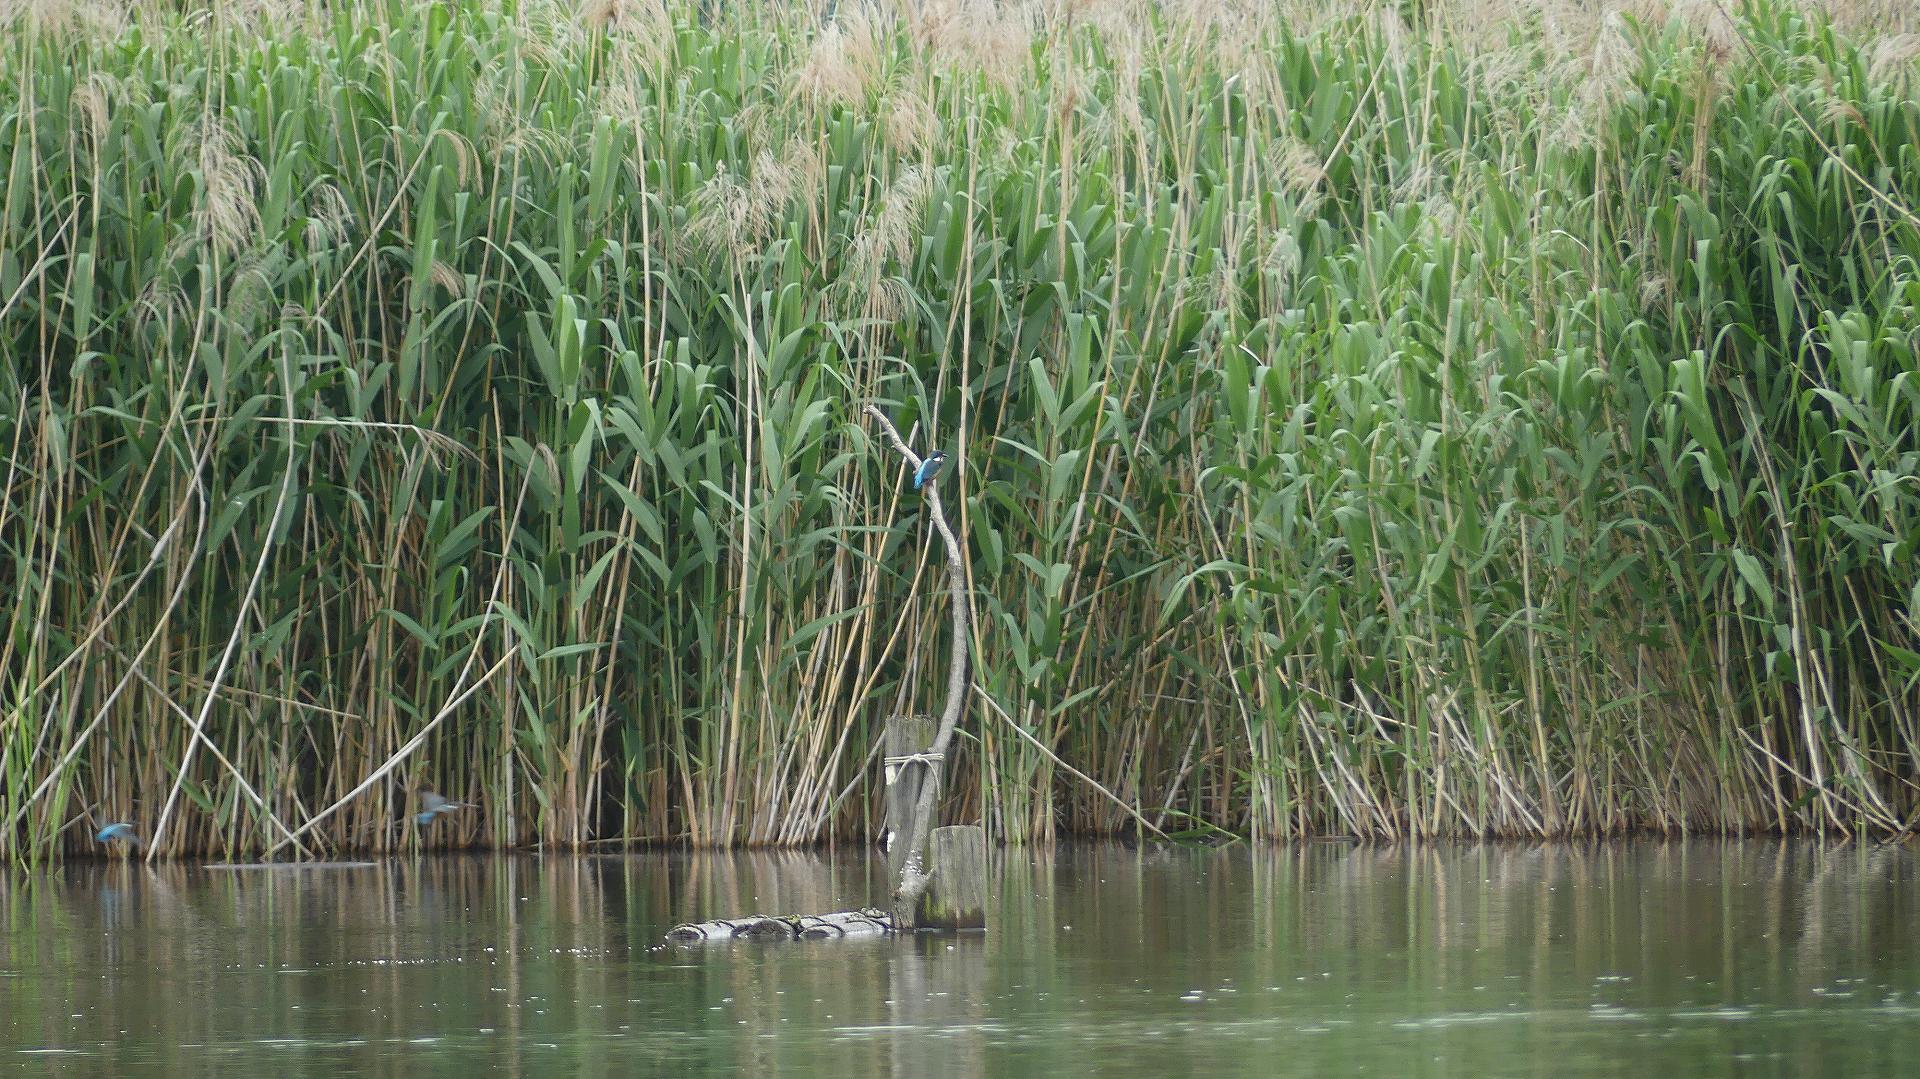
<point x="434" y="805"/>
<point x="928" y="469"/>
<point x="120" y="831"/>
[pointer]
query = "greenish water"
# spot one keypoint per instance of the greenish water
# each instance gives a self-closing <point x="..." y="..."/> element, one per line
<point x="1695" y="958"/>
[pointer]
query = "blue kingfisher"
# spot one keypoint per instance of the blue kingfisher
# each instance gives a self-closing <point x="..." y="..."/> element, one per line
<point x="928" y="469"/>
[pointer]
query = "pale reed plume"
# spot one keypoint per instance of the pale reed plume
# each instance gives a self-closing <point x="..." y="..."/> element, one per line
<point x="226" y="212"/>
<point x="93" y="101"/>
<point x="792" y="177"/>
<point x="846" y="60"/>
<point x="865" y="287"/>
<point x="1873" y="17"/>
<point x="978" y="36"/>
<point x="1896" y="60"/>
<point x="446" y="278"/>
<point x="721" y="221"/>
<point x="1293" y="166"/>
<point x="100" y="20"/>
<point x="896" y="223"/>
<point x="250" y="286"/>
<point x="734" y="217"/>
<point x="911" y="125"/>
<point x="1709" y="21"/>
<point x="637" y="19"/>
<point x="329" y="218"/>
<point x="1279" y="263"/>
<point x="161" y="304"/>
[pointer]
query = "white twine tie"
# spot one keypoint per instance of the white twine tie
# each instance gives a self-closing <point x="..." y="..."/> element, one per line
<point x="893" y="763"/>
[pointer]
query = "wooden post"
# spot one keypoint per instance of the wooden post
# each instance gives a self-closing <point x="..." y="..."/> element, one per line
<point x="905" y="735"/>
<point x="956" y="898"/>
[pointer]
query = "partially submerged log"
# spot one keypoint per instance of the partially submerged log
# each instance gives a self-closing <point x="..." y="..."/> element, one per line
<point x="298" y="867"/>
<point x="866" y="922"/>
<point x="955" y="899"/>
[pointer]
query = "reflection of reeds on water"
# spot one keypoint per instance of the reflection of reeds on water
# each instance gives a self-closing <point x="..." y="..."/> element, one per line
<point x="566" y="950"/>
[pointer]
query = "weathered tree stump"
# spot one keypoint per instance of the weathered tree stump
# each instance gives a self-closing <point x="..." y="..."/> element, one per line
<point x="956" y="898"/>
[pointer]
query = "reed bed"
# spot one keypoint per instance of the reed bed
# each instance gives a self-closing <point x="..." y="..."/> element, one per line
<point x="1397" y="420"/>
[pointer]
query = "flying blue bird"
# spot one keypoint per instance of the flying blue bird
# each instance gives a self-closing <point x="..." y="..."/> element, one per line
<point x="928" y="469"/>
<point x="122" y="832"/>
<point x="434" y="805"/>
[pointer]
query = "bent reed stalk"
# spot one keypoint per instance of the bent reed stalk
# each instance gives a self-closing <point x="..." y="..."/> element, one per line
<point x="1490" y="419"/>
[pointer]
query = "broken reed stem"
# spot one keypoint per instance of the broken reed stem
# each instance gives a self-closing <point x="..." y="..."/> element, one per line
<point x="153" y="637"/>
<point x="400" y="754"/>
<point x="246" y="788"/>
<point x="239" y="620"/>
<point x="454" y="700"/>
<point x="913" y="877"/>
<point x="1132" y="811"/>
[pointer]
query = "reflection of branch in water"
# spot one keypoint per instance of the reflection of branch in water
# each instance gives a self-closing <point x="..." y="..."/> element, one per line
<point x="1836" y="912"/>
<point x="937" y="984"/>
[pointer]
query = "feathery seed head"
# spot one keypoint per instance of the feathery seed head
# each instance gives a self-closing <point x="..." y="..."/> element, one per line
<point x="226" y="213"/>
<point x="910" y="123"/>
<point x="1896" y="59"/>
<point x="636" y="18"/>
<point x="328" y="217"/>
<point x="447" y="278"/>
<point x="1294" y="164"/>
<point x="93" y="103"/>
<point x="721" y="222"/>
<point x="845" y="62"/>
<point x="993" y="40"/>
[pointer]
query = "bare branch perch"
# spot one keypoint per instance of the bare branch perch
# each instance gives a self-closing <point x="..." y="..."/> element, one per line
<point x="913" y="877"/>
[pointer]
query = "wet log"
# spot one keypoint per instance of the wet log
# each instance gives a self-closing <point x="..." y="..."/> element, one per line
<point x="956" y="896"/>
<point x="866" y="922"/>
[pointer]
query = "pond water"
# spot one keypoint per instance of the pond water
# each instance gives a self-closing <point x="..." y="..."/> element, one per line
<point x="1696" y="958"/>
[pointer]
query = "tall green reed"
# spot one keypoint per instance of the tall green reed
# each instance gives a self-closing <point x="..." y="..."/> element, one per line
<point x="1380" y="422"/>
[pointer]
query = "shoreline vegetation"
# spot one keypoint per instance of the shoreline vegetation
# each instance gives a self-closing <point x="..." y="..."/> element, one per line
<point x="1399" y="419"/>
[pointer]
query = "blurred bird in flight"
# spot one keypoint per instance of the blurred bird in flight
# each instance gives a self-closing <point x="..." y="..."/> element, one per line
<point x="432" y="805"/>
<point x="120" y="832"/>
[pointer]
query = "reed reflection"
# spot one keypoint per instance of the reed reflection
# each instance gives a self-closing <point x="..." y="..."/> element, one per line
<point x="1497" y="958"/>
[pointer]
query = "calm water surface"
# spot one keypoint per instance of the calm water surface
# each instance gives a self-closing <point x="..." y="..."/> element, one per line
<point x="1654" y="959"/>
